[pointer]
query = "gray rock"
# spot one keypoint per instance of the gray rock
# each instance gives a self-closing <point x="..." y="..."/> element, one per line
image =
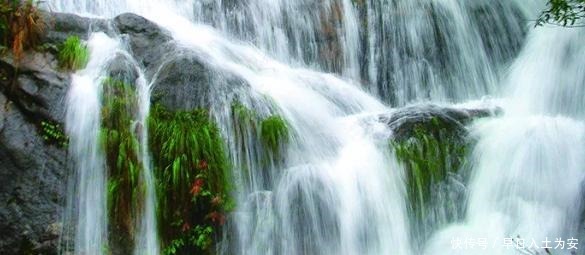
<point x="403" y="121"/>
<point x="148" y="41"/>
<point x="32" y="185"/>
<point x="40" y="89"/>
<point x="33" y="173"/>
<point x="62" y="25"/>
<point x="183" y="82"/>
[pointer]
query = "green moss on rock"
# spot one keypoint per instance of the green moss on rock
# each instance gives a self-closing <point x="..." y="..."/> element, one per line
<point x="432" y="151"/>
<point x="121" y="147"/>
<point x="274" y="133"/>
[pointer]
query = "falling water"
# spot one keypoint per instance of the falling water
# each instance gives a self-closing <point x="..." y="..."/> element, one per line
<point x="528" y="165"/>
<point x="83" y="123"/>
<point x="148" y="242"/>
<point x="339" y="189"/>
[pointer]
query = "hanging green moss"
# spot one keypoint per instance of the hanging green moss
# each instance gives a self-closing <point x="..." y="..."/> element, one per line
<point x="243" y="115"/>
<point x="192" y="171"/>
<point x="121" y="148"/>
<point x="274" y="133"/>
<point x="432" y="151"/>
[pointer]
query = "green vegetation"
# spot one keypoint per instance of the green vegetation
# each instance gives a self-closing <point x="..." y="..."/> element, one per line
<point x="429" y="154"/>
<point x="120" y="144"/>
<point x="192" y="170"/>
<point x="53" y="133"/>
<point x="274" y="133"/>
<point x="563" y="12"/>
<point x="73" y="54"/>
<point x="21" y="26"/>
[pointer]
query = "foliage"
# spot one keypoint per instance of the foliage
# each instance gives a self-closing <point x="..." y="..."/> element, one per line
<point x="192" y="171"/>
<point x="432" y="152"/>
<point x="120" y="143"/>
<point x="73" y="54"/>
<point x="21" y="25"/>
<point x="244" y="116"/>
<point x="53" y="134"/>
<point x="274" y="133"/>
<point x="563" y="12"/>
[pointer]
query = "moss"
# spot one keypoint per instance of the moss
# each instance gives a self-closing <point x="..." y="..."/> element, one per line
<point x="121" y="146"/>
<point x="53" y="134"/>
<point x="432" y="152"/>
<point x="274" y="133"/>
<point x="192" y="171"/>
<point x="73" y="54"/>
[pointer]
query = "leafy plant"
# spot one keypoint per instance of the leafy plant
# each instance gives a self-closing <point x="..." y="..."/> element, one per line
<point x="21" y="25"/>
<point x="120" y="144"/>
<point x="73" y="54"/>
<point x="563" y="12"/>
<point x="192" y="172"/>
<point x="53" y="134"/>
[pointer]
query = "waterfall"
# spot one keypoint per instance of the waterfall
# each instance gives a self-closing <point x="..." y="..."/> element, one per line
<point x="329" y="68"/>
<point x="88" y="195"/>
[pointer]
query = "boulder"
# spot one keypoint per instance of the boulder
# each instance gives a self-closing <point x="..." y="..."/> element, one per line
<point x="185" y="83"/>
<point x="402" y="122"/>
<point x="62" y="25"/>
<point x="148" y="41"/>
<point x="432" y="144"/>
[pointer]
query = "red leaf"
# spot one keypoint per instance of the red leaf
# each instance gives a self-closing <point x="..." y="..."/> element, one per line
<point x="202" y="165"/>
<point x="196" y="187"/>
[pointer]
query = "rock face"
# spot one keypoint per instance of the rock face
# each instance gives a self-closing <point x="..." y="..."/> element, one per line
<point x="33" y="172"/>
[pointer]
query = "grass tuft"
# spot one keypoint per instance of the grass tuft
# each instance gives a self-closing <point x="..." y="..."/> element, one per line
<point x="73" y="54"/>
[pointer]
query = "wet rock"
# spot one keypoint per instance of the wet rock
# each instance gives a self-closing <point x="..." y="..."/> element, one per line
<point x="62" y="25"/>
<point x="432" y="143"/>
<point x="185" y="83"/>
<point x="402" y="122"/>
<point x="148" y="41"/>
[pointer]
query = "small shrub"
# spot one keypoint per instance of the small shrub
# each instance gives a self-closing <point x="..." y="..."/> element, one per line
<point x="73" y="54"/>
<point x="192" y="172"/>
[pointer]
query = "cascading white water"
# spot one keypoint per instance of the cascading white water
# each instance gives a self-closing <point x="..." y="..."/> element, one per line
<point x="339" y="191"/>
<point x="82" y="126"/>
<point x="148" y="242"/>
<point x="529" y="164"/>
